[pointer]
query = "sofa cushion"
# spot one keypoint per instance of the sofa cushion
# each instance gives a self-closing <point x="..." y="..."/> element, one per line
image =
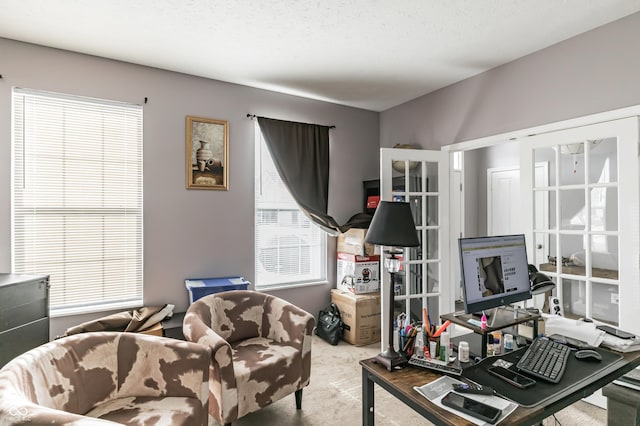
<point x="150" y="411"/>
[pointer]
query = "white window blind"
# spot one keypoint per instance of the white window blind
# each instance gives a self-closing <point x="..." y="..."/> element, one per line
<point x="77" y="199"/>
<point x="289" y="249"/>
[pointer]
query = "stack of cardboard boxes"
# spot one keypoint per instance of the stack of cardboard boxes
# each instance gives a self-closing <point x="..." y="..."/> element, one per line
<point x="358" y="265"/>
<point x="358" y="290"/>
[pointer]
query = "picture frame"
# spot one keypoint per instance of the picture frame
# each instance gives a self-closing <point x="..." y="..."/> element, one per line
<point x="207" y="153"/>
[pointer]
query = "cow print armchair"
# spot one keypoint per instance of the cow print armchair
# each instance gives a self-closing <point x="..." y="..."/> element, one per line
<point x="107" y="378"/>
<point x="260" y="350"/>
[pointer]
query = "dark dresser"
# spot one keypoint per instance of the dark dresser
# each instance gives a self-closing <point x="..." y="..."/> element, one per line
<point x="24" y="314"/>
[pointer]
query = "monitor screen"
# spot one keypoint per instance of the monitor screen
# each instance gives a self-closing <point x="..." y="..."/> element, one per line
<point x="495" y="271"/>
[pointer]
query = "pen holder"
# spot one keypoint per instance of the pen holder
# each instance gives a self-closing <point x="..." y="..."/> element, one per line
<point x="403" y="344"/>
<point x="408" y="344"/>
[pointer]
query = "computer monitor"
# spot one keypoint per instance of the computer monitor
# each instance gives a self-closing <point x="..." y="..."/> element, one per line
<point x="494" y="272"/>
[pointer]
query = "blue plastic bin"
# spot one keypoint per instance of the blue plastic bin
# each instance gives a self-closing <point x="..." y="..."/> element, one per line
<point x="200" y="287"/>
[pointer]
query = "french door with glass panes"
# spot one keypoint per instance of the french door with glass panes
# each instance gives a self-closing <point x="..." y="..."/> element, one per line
<point x="420" y="178"/>
<point x="592" y="230"/>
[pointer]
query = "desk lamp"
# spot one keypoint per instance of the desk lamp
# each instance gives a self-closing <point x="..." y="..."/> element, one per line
<point x="540" y="283"/>
<point x="392" y="226"/>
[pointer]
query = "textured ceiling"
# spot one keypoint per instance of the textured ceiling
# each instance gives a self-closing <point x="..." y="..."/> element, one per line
<point x="371" y="54"/>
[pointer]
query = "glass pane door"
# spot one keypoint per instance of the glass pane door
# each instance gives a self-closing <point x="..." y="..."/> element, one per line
<point x="592" y="252"/>
<point x="420" y="178"/>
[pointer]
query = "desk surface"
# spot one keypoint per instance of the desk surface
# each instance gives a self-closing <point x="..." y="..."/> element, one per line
<point x="400" y="384"/>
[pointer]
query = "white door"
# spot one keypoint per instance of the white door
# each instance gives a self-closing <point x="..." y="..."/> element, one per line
<point x="504" y="212"/>
<point x="420" y="178"/>
<point x="503" y="204"/>
<point x="593" y="196"/>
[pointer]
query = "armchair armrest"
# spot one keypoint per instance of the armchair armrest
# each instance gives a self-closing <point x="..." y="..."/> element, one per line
<point x="288" y="323"/>
<point x="23" y="412"/>
<point x="222" y="379"/>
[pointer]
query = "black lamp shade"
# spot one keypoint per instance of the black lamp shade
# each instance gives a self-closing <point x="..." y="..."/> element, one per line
<point x="540" y="283"/>
<point x="393" y="226"/>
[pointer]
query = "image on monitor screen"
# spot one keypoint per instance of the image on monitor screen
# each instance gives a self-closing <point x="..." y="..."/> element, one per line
<point x="494" y="271"/>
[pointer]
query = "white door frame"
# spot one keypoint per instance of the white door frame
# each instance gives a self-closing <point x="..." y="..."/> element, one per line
<point x="424" y="158"/>
<point x="523" y="134"/>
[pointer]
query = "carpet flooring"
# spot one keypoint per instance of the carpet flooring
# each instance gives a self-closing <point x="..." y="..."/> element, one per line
<point x="333" y="397"/>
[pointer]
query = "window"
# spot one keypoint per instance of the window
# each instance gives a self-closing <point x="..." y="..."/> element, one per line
<point x="77" y="199"/>
<point x="289" y="249"/>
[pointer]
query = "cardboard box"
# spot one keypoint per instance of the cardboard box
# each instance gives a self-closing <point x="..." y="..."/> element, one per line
<point x="361" y="313"/>
<point x="358" y="274"/>
<point x="154" y="330"/>
<point x="352" y="242"/>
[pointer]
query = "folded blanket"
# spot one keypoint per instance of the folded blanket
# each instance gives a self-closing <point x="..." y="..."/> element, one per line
<point x="134" y="320"/>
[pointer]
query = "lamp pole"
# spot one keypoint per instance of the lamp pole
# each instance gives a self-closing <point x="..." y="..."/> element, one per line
<point x="390" y="358"/>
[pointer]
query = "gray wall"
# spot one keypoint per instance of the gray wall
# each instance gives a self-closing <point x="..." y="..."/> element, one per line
<point x="176" y="244"/>
<point x="479" y="160"/>
<point x="594" y="72"/>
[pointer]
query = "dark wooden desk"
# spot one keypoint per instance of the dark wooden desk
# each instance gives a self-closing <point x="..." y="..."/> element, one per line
<point x="400" y="384"/>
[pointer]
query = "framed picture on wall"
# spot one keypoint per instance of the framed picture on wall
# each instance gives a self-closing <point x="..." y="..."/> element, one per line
<point x="207" y="153"/>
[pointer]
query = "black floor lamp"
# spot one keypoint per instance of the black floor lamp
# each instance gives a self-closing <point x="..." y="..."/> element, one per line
<point x="392" y="226"/>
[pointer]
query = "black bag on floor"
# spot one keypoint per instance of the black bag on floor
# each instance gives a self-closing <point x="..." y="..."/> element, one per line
<point x="330" y="326"/>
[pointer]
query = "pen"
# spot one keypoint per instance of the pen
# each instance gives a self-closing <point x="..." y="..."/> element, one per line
<point x="442" y="328"/>
<point x="427" y="323"/>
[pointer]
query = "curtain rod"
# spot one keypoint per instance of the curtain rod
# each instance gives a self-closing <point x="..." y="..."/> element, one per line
<point x="252" y="116"/>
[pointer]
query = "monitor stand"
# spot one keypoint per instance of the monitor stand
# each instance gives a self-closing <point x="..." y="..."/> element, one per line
<point x="502" y="318"/>
<point x="503" y="312"/>
<point x="473" y="339"/>
<point x="488" y="313"/>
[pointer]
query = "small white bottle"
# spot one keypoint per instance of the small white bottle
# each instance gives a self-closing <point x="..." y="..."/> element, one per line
<point x="463" y="351"/>
<point x="508" y="342"/>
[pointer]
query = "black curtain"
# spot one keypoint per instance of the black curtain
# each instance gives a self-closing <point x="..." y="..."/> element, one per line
<point x="300" y="152"/>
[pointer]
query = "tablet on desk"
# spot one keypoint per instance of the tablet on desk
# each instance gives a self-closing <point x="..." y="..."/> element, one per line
<point x="615" y="332"/>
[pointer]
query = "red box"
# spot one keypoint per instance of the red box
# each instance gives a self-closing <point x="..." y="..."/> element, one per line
<point x="373" y="201"/>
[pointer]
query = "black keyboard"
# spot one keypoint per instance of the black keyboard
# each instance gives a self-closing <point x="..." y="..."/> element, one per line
<point x="545" y="359"/>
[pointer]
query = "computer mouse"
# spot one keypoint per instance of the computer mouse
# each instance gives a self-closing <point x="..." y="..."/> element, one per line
<point x="588" y="355"/>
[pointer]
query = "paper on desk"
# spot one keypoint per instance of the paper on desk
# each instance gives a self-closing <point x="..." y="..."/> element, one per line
<point x="621" y="345"/>
<point x="578" y="329"/>
<point x="437" y="389"/>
